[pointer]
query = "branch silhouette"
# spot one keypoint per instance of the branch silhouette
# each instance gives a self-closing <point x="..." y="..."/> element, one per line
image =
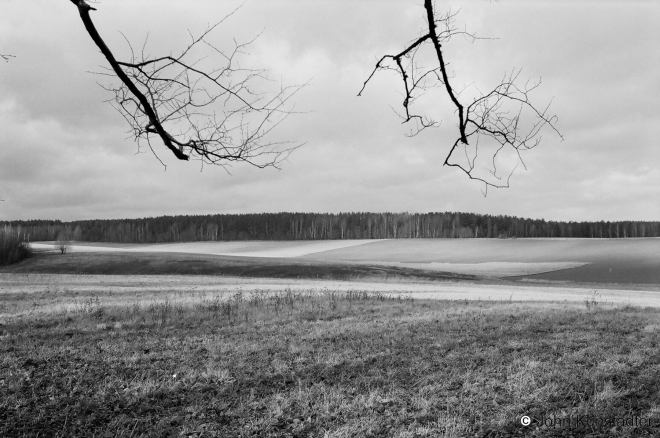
<point x="209" y="113"/>
<point x="495" y="115"/>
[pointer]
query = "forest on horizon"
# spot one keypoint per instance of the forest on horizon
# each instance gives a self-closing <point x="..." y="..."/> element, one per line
<point x="318" y="226"/>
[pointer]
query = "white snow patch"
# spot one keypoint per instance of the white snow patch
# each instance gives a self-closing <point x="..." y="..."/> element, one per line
<point x="277" y="249"/>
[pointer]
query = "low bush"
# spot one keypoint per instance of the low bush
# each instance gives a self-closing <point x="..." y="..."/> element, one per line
<point x="12" y="248"/>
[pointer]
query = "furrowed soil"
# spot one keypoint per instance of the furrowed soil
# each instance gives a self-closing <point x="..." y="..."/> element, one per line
<point x="598" y="261"/>
<point x="621" y="261"/>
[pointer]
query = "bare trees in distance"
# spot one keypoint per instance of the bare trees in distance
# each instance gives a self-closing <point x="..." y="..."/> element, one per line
<point x="215" y="112"/>
<point x="321" y="226"/>
<point x="498" y="115"/>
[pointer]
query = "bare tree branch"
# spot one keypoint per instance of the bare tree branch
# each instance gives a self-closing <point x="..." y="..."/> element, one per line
<point x="210" y="112"/>
<point x="496" y="115"/>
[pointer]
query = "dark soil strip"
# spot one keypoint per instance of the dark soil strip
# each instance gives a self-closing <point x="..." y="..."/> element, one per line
<point x="623" y="272"/>
<point x="196" y="264"/>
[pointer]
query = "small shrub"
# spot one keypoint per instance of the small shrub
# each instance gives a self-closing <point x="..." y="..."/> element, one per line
<point x="593" y="300"/>
<point x="63" y="247"/>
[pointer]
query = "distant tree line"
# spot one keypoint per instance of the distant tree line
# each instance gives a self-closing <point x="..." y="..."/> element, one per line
<point x="320" y="226"/>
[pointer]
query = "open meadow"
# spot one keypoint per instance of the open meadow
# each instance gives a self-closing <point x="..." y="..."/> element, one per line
<point x="333" y="343"/>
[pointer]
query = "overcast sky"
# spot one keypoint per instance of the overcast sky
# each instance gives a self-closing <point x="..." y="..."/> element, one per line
<point x="65" y="154"/>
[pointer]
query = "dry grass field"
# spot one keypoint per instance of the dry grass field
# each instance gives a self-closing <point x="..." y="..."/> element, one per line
<point x="142" y="344"/>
